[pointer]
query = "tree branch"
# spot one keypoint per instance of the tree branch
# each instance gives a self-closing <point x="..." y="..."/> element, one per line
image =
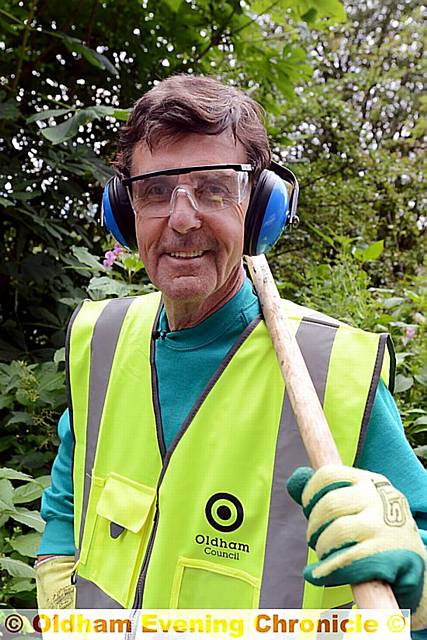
<point x="23" y="46"/>
<point x="91" y="22"/>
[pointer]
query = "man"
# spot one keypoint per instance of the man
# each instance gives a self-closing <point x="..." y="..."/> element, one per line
<point x="170" y="481"/>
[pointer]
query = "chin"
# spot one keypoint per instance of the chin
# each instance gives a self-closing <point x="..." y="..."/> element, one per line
<point x="187" y="288"/>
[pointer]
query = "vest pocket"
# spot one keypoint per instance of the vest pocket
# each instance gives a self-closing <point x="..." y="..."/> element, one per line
<point x="119" y="517"/>
<point x="205" y="585"/>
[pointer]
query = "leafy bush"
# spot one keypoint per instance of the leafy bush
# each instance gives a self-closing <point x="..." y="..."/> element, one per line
<point x="32" y="398"/>
<point x="20" y="533"/>
<point x="405" y="317"/>
<point x="340" y="288"/>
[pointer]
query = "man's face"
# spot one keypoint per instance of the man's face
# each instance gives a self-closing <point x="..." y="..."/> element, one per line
<point x="218" y="234"/>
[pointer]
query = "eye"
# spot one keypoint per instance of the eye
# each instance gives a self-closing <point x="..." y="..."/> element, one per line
<point x="213" y="188"/>
<point x="158" y="190"/>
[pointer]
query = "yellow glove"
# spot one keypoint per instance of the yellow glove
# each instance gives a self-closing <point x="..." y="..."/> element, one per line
<point x="362" y="529"/>
<point x="53" y="580"/>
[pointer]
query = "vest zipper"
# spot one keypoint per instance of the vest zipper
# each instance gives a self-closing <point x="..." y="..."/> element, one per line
<point x="155" y="390"/>
<point x="159" y="429"/>
<point x="141" y="580"/>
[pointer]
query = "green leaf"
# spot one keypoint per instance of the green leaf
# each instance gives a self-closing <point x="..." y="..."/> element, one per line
<point x="70" y="302"/>
<point x="6" y="495"/>
<point x="63" y="131"/>
<point x="403" y="383"/>
<point x="421" y="452"/>
<point x="28" y="492"/>
<point x="93" y="57"/>
<point x="401" y="356"/>
<point x="59" y="355"/>
<point x="121" y="114"/>
<point x="20" y="417"/>
<point x="27" y="544"/>
<point x="25" y="195"/>
<point x="344" y="241"/>
<point x="322" y="235"/>
<point x="70" y="127"/>
<point x="5" y="203"/>
<point x="105" y="286"/>
<point x="50" y="381"/>
<point x="48" y="113"/>
<point x="67" y="129"/>
<point x="372" y="252"/>
<point x="310" y="16"/>
<point x="395" y="301"/>
<point x="17" y="568"/>
<point x="44" y="481"/>
<point x="11" y="474"/>
<point x="30" y="518"/>
<point x="331" y="9"/>
<point x="4" y="518"/>
<point x="84" y="257"/>
<point x="174" y="4"/>
<point x="421" y="378"/>
<point x="132" y="262"/>
<point x="9" y="110"/>
<point x="18" y="585"/>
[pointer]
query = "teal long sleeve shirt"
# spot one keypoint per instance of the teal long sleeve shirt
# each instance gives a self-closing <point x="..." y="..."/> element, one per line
<point x="185" y="361"/>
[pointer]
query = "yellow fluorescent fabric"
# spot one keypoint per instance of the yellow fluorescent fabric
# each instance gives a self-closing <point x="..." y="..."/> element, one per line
<point x="78" y="381"/>
<point x="238" y="452"/>
<point x="222" y="463"/>
<point x="125" y="502"/>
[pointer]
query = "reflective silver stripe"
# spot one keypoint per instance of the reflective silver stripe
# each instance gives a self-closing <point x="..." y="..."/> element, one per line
<point x="286" y="548"/>
<point x="89" y="596"/>
<point x="103" y="346"/>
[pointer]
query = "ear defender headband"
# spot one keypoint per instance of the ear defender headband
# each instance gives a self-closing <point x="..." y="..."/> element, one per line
<point x="271" y="209"/>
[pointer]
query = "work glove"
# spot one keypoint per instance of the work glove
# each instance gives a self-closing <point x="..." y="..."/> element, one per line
<point x="53" y="579"/>
<point x="362" y="529"/>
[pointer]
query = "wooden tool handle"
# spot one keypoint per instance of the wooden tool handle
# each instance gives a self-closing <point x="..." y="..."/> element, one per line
<point x="314" y="429"/>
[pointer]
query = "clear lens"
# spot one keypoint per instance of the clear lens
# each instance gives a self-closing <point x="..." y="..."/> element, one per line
<point x="208" y="191"/>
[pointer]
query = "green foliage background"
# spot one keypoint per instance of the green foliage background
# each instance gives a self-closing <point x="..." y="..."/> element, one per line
<point x="341" y="86"/>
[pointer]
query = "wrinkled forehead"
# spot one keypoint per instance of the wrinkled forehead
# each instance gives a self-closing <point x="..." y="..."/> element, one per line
<point x="190" y="150"/>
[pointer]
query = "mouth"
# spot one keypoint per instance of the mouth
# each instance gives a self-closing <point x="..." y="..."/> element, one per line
<point x="186" y="255"/>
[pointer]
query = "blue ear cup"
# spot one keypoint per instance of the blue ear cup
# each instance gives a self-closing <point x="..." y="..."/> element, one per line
<point x="117" y="213"/>
<point x="275" y="217"/>
<point x="270" y="210"/>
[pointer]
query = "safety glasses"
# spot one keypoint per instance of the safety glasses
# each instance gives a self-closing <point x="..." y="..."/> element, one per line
<point x="209" y="188"/>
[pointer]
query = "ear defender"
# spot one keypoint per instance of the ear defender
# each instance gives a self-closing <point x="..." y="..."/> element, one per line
<point x="117" y="213"/>
<point x="272" y="207"/>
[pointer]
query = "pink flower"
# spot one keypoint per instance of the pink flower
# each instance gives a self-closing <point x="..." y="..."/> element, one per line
<point x="410" y="333"/>
<point x="118" y="249"/>
<point x="110" y="257"/>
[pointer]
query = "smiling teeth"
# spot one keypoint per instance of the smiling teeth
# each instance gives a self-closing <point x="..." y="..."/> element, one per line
<point x="182" y="254"/>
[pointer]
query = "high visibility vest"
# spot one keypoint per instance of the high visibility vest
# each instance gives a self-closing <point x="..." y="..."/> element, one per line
<point x="209" y="523"/>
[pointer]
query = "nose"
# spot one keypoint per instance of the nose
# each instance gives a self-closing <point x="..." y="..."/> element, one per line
<point x="183" y="215"/>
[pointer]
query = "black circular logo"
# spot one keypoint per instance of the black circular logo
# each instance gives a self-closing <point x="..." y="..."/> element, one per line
<point x="224" y="512"/>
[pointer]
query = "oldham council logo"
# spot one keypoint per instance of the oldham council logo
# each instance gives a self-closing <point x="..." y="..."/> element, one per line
<point x="224" y="512"/>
